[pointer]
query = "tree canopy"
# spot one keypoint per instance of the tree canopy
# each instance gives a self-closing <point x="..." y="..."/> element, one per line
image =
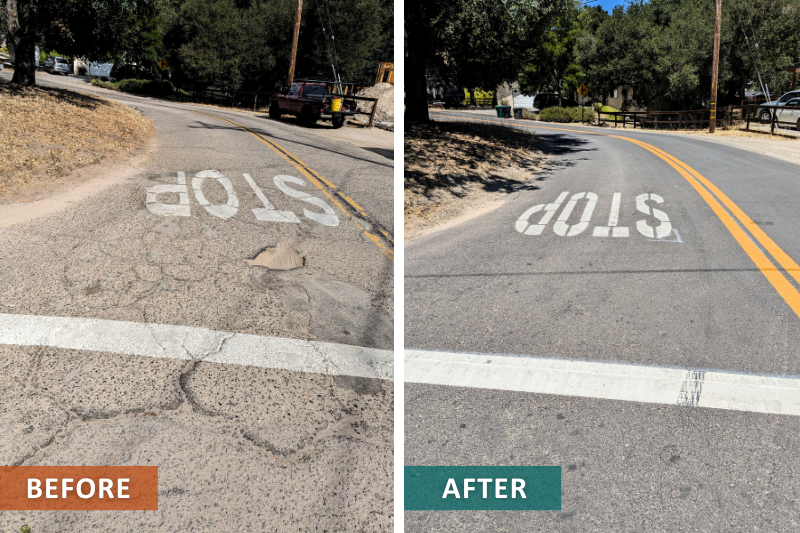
<point x="232" y="44"/>
<point x="663" y="50"/>
<point x="477" y="42"/>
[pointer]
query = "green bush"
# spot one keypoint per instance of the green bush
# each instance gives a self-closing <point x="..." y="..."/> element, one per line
<point x="147" y="87"/>
<point x="575" y="114"/>
<point x="600" y="108"/>
<point x="529" y="115"/>
<point x="104" y="84"/>
<point x="555" y="114"/>
<point x="133" y="86"/>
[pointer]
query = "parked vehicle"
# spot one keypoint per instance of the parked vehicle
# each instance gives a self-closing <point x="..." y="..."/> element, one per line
<point x="539" y="101"/>
<point x="763" y="112"/>
<point x="311" y="99"/>
<point x="789" y="115"/>
<point x="56" y="64"/>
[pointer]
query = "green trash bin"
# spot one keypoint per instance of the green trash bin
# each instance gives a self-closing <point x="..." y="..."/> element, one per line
<point x="499" y="110"/>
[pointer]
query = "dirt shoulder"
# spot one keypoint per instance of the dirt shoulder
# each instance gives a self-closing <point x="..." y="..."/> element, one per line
<point x="48" y="134"/>
<point x="454" y="170"/>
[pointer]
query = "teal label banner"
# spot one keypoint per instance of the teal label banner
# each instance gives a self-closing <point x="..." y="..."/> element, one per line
<point x="482" y="488"/>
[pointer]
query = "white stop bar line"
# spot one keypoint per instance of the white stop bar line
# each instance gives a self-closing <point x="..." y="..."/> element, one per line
<point x="185" y="342"/>
<point x="610" y="381"/>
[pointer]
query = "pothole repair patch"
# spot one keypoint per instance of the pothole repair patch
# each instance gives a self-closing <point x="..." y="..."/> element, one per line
<point x="281" y="257"/>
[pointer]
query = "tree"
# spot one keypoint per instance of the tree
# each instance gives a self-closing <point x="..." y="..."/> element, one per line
<point x="553" y="66"/>
<point x="476" y="42"/>
<point x="245" y="44"/>
<point x="359" y="28"/>
<point x="662" y="48"/>
<point x="91" y="30"/>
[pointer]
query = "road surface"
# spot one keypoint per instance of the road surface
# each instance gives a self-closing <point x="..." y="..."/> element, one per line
<point x="631" y="314"/>
<point x="140" y="327"/>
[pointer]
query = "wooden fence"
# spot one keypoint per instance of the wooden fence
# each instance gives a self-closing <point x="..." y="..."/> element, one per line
<point x="700" y="118"/>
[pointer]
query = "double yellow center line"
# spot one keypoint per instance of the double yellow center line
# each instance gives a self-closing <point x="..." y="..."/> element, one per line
<point x="352" y="210"/>
<point x="716" y="199"/>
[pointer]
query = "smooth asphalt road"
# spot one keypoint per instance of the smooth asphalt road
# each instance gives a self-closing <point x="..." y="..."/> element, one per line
<point x="683" y="295"/>
<point x="239" y="447"/>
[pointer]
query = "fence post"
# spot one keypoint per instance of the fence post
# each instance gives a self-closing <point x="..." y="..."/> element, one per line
<point x="372" y="115"/>
<point x="748" y="118"/>
<point x="680" y="119"/>
<point x="772" y="122"/>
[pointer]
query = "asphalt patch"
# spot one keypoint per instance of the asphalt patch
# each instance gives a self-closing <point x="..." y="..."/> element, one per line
<point x="281" y="257"/>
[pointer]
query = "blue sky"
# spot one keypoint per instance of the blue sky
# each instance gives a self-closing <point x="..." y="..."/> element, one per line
<point x="608" y="5"/>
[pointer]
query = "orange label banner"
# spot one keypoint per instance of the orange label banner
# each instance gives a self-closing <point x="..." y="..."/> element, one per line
<point x="78" y="488"/>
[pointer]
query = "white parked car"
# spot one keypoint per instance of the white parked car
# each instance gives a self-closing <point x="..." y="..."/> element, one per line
<point x="789" y="115"/>
<point x="56" y="64"/>
<point x="763" y="112"/>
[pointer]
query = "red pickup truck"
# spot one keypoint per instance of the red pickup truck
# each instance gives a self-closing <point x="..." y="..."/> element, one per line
<point x="310" y="99"/>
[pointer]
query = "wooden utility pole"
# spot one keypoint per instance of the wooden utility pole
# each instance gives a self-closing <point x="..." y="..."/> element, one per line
<point x="294" y="41"/>
<point x="715" y="69"/>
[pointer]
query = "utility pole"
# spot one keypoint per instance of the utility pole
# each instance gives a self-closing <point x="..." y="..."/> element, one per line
<point x="294" y="41"/>
<point x="715" y="69"/>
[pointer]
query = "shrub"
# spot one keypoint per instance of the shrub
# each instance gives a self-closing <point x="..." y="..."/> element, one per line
<point x="104" y="84"/>
<point x="132" y="86"/>
<point x="529" y="115"/>
<point x="555" y="114"/>
<point x="146" y="87"/>
<point x="600" y="108"/>
<point x="575" y="114"/>
<point x="81" y="71"/>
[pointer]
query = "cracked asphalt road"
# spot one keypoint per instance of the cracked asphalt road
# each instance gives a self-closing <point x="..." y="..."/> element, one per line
<point x="238" y="447"/>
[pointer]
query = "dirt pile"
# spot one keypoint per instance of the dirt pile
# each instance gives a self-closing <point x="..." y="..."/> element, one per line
<point x="453" y="168"/>
<point x="48" y="133"/>
<point x="384" y="92"/>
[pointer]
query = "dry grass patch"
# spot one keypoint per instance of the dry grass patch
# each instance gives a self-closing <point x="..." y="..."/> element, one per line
<point x="48" y="133"/>
<point x="453" y="167"/>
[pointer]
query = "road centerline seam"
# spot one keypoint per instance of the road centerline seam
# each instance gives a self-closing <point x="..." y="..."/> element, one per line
<point x="314" y="178"/>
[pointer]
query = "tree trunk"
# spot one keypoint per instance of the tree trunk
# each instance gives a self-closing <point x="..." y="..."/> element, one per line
<point x="22" y="23"/>
<point x="416" y="85"/>
<point x="416" y="93"/>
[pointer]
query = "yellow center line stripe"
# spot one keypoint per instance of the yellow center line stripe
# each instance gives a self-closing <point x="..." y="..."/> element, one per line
<point x="776" y="251"/>
<point x="784" y="287"/>
<point x="352" y="202"/>
<point x="307" y="172"/>
<point x="775" y="277"/>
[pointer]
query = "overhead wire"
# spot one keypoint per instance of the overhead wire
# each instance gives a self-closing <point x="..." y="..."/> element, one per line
<point x="758" y="50"/>
<point x="328" y="45"/>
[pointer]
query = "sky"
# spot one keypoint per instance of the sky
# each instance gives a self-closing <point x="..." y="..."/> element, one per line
<point x="608" y="5"/>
